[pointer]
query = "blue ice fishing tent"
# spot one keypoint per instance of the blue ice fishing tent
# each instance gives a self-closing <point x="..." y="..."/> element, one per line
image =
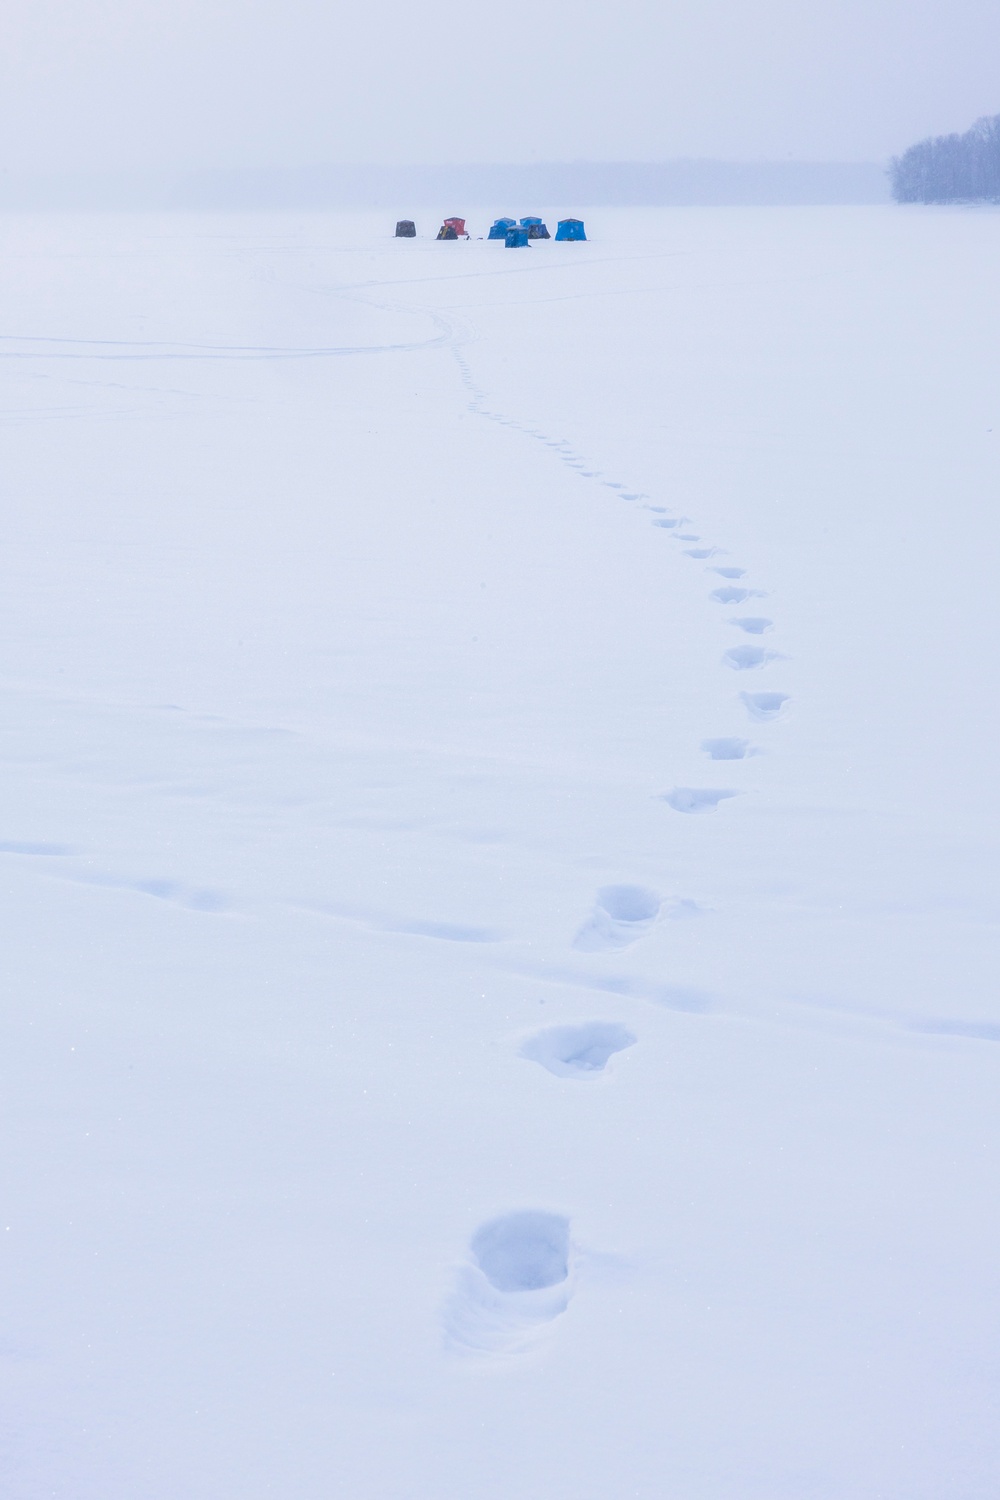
<point x="536" y="229"/>
<point x="570" y="229"/>
<point x="500" y="228"/>
<point x="516" y="236"/>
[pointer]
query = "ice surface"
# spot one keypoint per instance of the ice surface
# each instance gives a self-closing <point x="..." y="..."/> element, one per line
<point x="353" y="722"/>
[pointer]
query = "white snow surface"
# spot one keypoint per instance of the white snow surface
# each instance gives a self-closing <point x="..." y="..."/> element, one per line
<point x="387" y="709"/>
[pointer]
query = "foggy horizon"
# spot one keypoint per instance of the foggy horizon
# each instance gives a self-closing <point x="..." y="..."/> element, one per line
<point x="218" y="87"/>
<point x="474" y="185"/>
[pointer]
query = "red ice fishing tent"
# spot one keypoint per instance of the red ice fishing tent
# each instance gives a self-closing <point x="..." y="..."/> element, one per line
<point x="452" y="229"/>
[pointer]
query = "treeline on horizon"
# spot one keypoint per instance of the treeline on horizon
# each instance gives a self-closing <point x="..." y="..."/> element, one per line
<point x="951" y="168"/>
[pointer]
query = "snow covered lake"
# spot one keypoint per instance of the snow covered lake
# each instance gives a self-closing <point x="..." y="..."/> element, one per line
<point x="499" y="850"/>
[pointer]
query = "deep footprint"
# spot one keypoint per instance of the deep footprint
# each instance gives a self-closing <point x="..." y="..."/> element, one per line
<point x="752" y="624"/>
<point x="745" y="658"/>
<point x="765" y="705"/>
<point x="516" y="1281"/>
<point x="729" y="572"/>
<point x="691" y="799"/>
<point x="523" y="1252"/>
<point x="735" y="596"/>
<point x="577" y="1051"/>
<point x="732" y="748"/>
<point x="622" y="914"/>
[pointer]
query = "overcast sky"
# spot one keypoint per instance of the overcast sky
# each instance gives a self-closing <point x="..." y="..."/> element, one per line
<point x="188" y="83"/>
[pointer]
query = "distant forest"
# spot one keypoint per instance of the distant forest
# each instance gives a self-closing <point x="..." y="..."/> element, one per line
<point x="951" y="168"/>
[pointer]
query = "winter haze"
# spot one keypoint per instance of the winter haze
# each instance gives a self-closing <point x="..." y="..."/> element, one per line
<point x="499" y="833"/>
<point x="215" y="83"/>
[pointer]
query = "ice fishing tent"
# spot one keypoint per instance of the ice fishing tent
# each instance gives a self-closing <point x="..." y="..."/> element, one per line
<point x="536" y="229"/>
<point x="570" y="229"/>
<point x="452" y="229"/>
<point x="405" y="229"/>
<point x="499" y="228"/>
<point x="516" y="236"/>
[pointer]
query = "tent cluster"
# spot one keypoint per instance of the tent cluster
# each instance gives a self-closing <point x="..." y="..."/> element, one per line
<point x="523" y="230"/>
<point x="514" y="233"/>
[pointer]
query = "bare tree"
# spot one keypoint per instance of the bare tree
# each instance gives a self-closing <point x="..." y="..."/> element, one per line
<point x="951" y="168"/>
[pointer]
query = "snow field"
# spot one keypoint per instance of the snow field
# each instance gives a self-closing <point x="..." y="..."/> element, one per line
<point x="499" y="844"/>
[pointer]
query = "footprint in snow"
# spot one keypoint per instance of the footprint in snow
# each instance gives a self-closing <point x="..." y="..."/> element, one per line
<point x="667" y="525"/>
<point x="702" y="552"/>
<point x="765" y="705"/>
<point x="729" y="572"/>
<point x="622" y="914"/>
<point x="753" y="624"/>
<point x="577" y="1051"/>
<point x="745" y="658"/>
<point x="735" y="596"/>
<point x="516" y="1279"/>
<point x="731" y="748"/>
<point x="692" y="799"/>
